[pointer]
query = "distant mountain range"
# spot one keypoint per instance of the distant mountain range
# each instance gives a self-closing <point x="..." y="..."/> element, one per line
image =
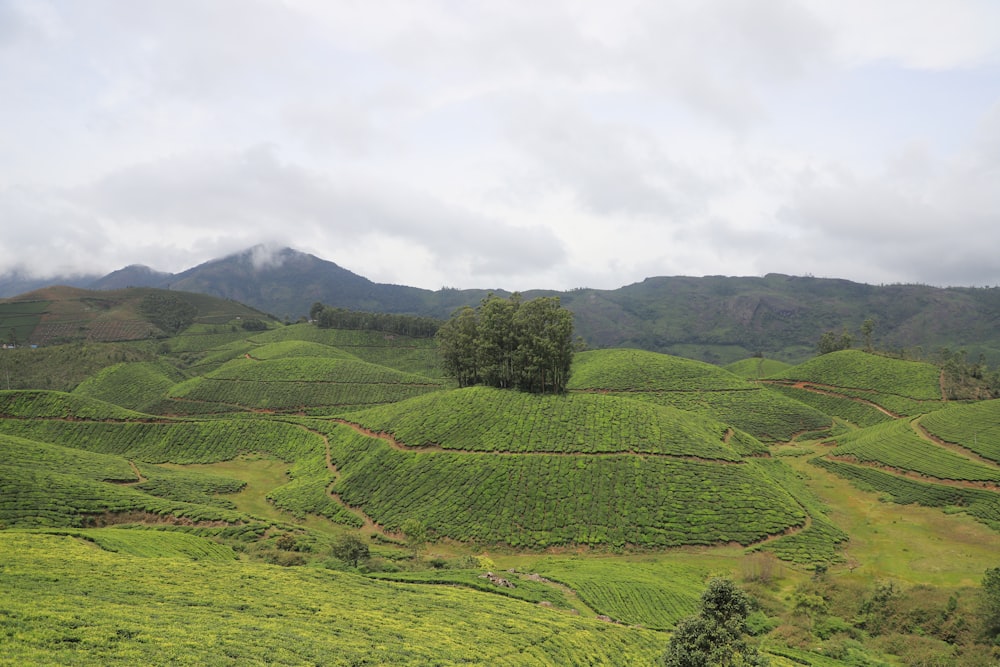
<point x="714" y="318"/>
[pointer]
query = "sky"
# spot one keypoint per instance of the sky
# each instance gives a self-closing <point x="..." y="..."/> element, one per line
<point x="506" y="144"/>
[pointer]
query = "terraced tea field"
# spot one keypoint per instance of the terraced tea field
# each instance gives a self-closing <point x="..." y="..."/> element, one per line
<point x="209" y="482"/>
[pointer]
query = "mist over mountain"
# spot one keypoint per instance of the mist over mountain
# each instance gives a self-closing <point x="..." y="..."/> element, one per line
<point x="713" y="318"/>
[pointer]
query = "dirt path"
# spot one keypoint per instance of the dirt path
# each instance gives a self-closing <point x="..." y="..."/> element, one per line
<point x="955" y="447"/>
<point x="140" y="479"/>
<point x="368" y="523"/>
<point x="916" y="476"/>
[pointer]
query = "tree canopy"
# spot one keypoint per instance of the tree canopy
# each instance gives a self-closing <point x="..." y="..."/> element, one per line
<point x="509" y="344"/>
<point x="716" y="635"/>
<point x="328" y="317"/>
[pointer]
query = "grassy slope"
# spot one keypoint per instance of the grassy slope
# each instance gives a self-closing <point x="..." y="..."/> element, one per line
<point x="485" y="419"/>
<point x="538" y="500"/>
<point x="67" y="602"/>
<point x="138" y="385"/>
<point x="698" y="387"/>
<point x="572" y="502"/>
<point x="854" y="369"/>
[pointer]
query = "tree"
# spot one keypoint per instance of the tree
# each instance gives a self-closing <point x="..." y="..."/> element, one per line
<point x="867" y="329"/>
<point x="350" y="548"/>
<point x="544" y="352"/>
<point x="989" y="605"/>
<point x="315" y="310"/>
<point x="416" y="534"/>
<point x="831" y="342"/>
<point x="715" y="637"/>
<point x="497" y="340"/>
<point x="168" y="312"/>
<point x="508" y="344"/>
<point x="458" y="343"/>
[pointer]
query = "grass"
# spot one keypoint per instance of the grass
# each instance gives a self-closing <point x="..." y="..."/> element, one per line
<point x="906" y="542"/>
<point x="543" y="500"/>
<point x="136" y="385"/>
<point x="897" y="445"/>
<point x="486" y="419"/>
<point x="854" y="369"/>
<point x="638" y="370"/>
<point x="66" y="602"/>
<point x="756" y="368"/>
<point x="261" y="475"/>
<point x="975" y="426"/>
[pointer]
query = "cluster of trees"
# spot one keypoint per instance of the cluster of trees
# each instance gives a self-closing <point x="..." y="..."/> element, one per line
<point x="833" y="342"/>
<point x="510" y="344"/>
<point x="168" y="312"/>
<point x="328" y="317"/>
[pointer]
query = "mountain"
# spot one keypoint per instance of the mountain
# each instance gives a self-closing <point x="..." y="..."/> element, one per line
<point x="134" y="275"/>
<point x="717" y="319"/>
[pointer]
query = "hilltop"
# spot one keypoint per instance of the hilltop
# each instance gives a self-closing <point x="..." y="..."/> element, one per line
<point x="713" y="318"/>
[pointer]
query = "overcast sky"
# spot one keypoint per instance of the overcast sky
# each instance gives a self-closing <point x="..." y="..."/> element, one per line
<point x="543" y="144"/>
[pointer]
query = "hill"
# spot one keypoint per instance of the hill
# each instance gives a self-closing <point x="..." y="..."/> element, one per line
<point x="716" y="319"/>
<point x="63" y="314"/>
<point x="218" y="472"/>
<point x="695" y="386"/>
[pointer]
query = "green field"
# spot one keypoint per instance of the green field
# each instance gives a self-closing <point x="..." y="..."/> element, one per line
<point x="207" y="480"/>
<point x="66" y="601"/>
<point x="899" y="446"/>
<point x="486" y="419"/>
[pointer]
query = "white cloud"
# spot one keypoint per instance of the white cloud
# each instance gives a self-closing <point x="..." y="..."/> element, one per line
<point x="551" y="144"/>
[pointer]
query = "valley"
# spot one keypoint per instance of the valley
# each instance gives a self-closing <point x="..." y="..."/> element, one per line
<point x="206" y="476"/>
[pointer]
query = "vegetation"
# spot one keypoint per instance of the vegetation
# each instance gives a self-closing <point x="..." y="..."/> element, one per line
<point x="341" y="318"/>
<point x="312" y="456"/>
<point x="137" y="385"/>
<point x="990" y="606"/>
<point x="485" y="419"/>
<point x="350" y="548"/>
<point x="831" y="342"/>
<point x="854" y="369"/>
<point x="541" y="500"/>
<point x="756" y="368"/>
<point x="896" y="445"/>
<point x="974" y="426"/>
<point x="716" y="635"/>
<point x="66" y="602"/>
<point x="167" y="311"/>
<point x="508" y="344"/>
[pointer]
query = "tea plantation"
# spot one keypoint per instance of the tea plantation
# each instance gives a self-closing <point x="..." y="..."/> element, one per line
<point x="184" y="501"/>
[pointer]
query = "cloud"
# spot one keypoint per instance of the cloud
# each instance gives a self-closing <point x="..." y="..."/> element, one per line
<point x="550" y="144"/>
<point x="925" y="218"/>
<point x="220" y="203"/>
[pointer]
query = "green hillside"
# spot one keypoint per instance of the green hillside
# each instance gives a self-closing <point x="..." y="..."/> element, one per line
<point x="696" y="387"/>
<point x="212" y="478"/>
<point x="298" y="383"/>
<point x="541" y="499"/>
<point x="55" y="315"/>
<point x="486" y="419"/>
<point x="68" y="602"/>
<point x="871" y="373"/>
<point x="973" y="426"/>
<point x="137" y="385"/>
<point x="637" y="370"/>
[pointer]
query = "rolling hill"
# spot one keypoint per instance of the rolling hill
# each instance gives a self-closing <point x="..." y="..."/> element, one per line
<point x="206" y="476"/>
